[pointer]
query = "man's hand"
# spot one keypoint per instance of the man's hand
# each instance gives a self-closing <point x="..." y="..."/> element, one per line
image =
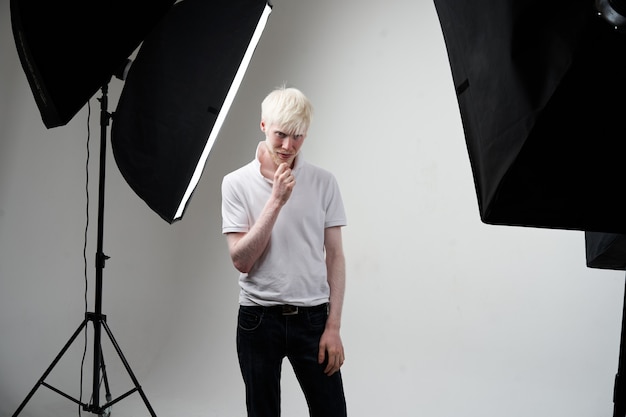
<point x="284" y="182"/>
<point x="331" y="348"/>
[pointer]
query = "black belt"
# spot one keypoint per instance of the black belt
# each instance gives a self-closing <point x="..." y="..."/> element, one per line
<point x="289" y="310"/>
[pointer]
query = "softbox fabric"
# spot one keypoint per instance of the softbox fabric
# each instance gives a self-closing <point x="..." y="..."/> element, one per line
<point x="540" y="86"/>
<point x="69" y="49"/>
<point x="605" y="250"/>
<point x="173" y="94"/>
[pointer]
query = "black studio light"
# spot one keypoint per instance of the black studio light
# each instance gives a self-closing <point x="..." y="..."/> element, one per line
<point x="69" y="49"/>
<point x="191" y="59"/>
<point x="539" y="86"/>
<point x="177" y="94"/>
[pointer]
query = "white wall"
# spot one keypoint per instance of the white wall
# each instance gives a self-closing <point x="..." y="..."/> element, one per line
<point x="444" y="315"/>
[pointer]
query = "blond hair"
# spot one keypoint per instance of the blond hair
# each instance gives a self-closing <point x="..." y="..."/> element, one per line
<point x="289" y="109"/>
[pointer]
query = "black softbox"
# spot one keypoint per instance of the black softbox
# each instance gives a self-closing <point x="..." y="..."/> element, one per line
<point x="541" y="95"/>
<point x="69" y="49"/>
<point x="177" y="94"/>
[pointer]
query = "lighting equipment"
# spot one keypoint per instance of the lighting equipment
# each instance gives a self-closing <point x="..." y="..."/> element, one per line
<point x="177" y="95"/>
<point x="49" y="35"/>
<point x="608" y="251"/>
<point x="69" y="49"/>
<point x="614" y="12"/>
<point x="539" y="87"/>
<point x="97" y="318"/>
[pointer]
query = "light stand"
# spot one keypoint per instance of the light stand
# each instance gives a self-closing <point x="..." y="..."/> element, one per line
<point x="187" y="46"/>
<point x="608" y="251"/>
<point x="97" y="318"/>
<point x="619" y="391"/>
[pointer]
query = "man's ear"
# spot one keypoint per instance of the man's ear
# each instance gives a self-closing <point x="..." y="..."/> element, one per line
<point x="263" y="126"/>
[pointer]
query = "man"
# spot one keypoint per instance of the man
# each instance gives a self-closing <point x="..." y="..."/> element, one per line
<point x="282" y="218"/>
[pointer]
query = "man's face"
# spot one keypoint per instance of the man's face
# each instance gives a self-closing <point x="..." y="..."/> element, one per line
<point x="283" y="146"/>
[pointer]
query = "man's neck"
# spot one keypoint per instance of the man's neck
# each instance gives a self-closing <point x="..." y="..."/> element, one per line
<point x="268" y="166"/>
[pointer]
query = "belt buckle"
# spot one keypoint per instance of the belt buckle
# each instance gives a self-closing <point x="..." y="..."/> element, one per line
<point x="289" y="310"/>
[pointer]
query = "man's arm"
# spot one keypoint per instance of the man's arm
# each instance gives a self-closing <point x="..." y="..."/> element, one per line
<point x="246" y="248"/>
<point x="330" y="342"/>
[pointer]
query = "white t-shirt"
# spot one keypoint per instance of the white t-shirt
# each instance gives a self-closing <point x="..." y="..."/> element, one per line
<point x="292" y="270"/>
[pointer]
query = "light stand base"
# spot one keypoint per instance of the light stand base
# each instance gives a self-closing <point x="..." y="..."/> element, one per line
<point x="101" y="410"/>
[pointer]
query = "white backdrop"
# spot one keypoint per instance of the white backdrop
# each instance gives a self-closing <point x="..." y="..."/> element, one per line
<point x="444" y="315"/>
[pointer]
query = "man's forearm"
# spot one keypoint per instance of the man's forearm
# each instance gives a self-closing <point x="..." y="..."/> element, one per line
<point x="247" y="250"/>
<point x="336" y="269"/>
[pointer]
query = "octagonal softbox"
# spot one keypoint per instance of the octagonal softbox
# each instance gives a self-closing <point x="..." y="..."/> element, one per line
<point x="69" y="49"/>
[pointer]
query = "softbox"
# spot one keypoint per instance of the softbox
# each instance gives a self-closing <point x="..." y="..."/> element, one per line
<point x="540" y="91"/>
<point x="69" y="49"/>
<point x="177" y="94"/>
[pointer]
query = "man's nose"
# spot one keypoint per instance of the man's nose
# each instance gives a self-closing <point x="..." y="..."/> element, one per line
<point x="288" y="142"/>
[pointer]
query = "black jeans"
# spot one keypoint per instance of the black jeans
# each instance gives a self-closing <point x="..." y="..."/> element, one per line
<point x="265" y="336"/>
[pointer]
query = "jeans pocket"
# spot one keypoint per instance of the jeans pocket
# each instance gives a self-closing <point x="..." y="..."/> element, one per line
<point x="317" y="319"/>
<point x="248" y="319"/>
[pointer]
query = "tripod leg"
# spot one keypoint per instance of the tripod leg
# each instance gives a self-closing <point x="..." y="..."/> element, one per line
<point x="107" y="390"/>
<point x="104" y="376"/>
<point x="128" y="369"/>
<point x="52" y="365"/>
